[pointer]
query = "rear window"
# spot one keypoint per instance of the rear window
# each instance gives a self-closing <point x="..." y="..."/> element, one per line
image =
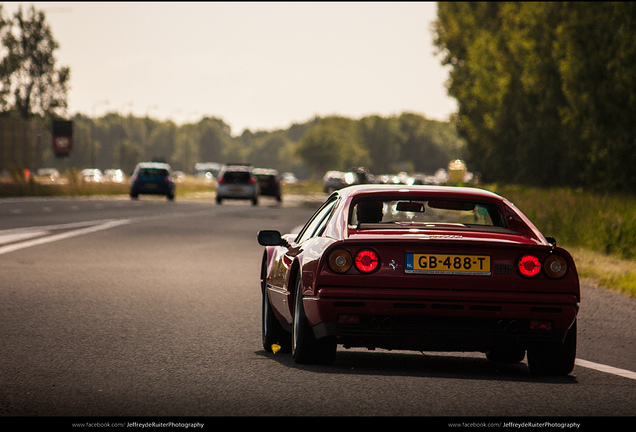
<point x="429" y="213"/>
<point x="153" y="172"/>
<point x="236" y="177"/>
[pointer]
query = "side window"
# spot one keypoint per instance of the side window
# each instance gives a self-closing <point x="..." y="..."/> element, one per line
<point x="317" y="223"/>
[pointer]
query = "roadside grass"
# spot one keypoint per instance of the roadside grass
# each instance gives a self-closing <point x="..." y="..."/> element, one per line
<point x="65" y="188"/>
<point x="598" y="230"/>
<point x="605" y="271"/>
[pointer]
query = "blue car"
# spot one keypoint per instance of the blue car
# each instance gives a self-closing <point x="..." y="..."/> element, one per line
<point x="152" y="178"/>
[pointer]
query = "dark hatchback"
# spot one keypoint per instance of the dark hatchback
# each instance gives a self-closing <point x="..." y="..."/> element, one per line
<point x="269" y="182"/>
<point x="152" y="178"/>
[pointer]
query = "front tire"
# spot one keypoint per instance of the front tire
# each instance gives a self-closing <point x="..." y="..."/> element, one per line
<point x="554" y="359"/>
<point x="272" y="330"/>
<point x="306" y="349"/>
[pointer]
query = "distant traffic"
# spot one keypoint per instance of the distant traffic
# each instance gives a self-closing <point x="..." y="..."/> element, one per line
<point x="229" y="181"/>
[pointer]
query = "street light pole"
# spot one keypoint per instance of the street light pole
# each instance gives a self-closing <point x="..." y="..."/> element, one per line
<point x="121" y="133"/>
<point x="146" y="137"/>
<point x="92" y="149"/>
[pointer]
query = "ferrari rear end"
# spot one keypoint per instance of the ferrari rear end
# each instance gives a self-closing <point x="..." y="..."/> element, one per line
<point x="432" y="295"/>
<point x="442" y="286"/>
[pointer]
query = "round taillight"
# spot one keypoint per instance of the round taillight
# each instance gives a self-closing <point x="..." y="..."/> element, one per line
<point x="340" y="261"/>
<point x="366" y="261"/>
<point x="555" y="266"/>
<point x="529" y="265"/>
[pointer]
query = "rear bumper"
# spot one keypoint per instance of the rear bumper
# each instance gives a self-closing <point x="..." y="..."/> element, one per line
<point x="151" y="189"/>
<point x="236" y="192"/>
<point x="440" y="321"/>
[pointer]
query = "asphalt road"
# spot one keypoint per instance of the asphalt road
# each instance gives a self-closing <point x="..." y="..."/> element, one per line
<point x="148" y="308"/>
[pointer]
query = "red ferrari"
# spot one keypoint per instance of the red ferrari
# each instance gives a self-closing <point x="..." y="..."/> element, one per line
<point x="423" y="268"/>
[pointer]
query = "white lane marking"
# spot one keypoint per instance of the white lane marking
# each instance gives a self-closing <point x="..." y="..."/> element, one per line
<point x="10" y="238"/>
<point x="69" y="225"/>
<point x="607" y="369"/>
<point x="57" y="237"/>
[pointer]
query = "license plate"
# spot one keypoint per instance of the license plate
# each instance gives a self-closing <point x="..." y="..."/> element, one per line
<point x="151" y="185"/>
<point x="236" y="190"/>
<point x="448" y="264"/>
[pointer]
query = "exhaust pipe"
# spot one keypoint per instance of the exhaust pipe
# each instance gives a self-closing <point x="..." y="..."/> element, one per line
<point x="513" y="325"/>
<point x="377" y="324"/>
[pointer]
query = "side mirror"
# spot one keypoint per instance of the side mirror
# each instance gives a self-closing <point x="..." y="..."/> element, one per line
<point x="271" y="238"/>
<point x="552" y="241"/>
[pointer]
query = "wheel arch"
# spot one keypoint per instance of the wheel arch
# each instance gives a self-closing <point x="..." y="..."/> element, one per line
<point x="294" y="272"/>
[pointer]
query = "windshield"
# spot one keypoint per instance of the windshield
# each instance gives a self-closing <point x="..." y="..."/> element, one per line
<point x="430" y="213"/>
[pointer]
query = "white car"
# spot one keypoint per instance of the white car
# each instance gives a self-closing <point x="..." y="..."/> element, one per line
<point x="237" y="182"/>
<point x="92" y="175"/>
<point x="114" y="175"/>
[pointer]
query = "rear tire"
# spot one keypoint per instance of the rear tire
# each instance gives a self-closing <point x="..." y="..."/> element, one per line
<point x="306" y="349"/>
<point x="556" y="358"/>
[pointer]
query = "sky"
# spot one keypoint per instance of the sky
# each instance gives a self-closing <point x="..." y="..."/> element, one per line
<point x="257" y="66"/>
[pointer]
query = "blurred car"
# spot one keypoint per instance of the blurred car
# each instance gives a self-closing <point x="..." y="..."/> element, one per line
<point x="49" y="174"/>
<point x="92" y="175"/>
<point x="178" y="176"/>
<point x="334" y="180"/>
<point x="288" y="178"/>
<point x="361" y="175"/>
<point x="268" y="182"/>
<point x="114" y="176"/>
<point x="237" y="182"/>
<point x="207" y="170"/>
<point x="152" y="178"/>
<point x="424" y="268"/>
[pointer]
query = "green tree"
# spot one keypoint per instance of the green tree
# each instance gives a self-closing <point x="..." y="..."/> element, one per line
<point x="597" y="44"/>
<point x="382" y="139"/>
<point x="333" y="144"/>
<point x="428" y="144"/>
<point x="4" y="73"/>
<point x="186" y="152"/>
<point x="545" y="89"/>
<point x="161" y="142"/>
<point x="31" y="83"/>
<point x="129" y="152"/>
<point x="265" y="151"/>
<point x="215" y="137"/>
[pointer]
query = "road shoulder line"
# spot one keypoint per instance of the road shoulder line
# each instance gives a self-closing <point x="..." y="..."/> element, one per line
<point x="607" y="369"/>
